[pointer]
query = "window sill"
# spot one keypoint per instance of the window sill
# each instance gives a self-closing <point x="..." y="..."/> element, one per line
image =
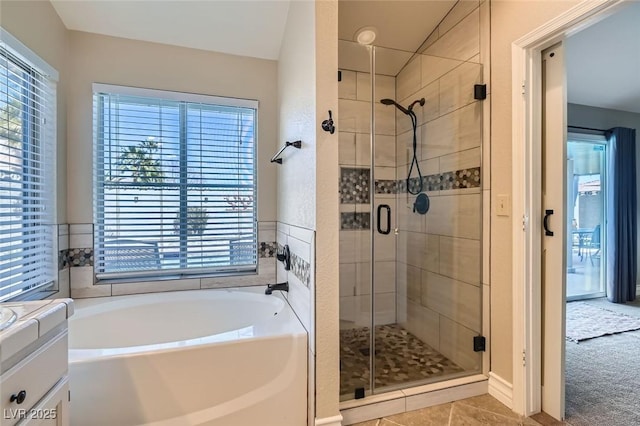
<point x="133" y="280"/>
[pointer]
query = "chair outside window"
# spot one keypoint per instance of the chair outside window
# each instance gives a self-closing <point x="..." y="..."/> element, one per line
<point x="131" y="255"/>
<point x="594" y="244"/>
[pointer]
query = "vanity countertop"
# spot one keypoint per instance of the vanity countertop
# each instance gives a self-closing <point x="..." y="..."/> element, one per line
<point x="34" y="320"/>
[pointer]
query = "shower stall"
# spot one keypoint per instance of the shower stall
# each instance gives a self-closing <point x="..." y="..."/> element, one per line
<point x="410" y="135"/>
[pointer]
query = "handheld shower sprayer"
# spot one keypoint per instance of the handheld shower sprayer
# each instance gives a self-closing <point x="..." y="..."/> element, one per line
<point x="412" y="188"/>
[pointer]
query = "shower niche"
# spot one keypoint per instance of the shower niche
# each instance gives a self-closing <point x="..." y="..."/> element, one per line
<point x="410" y="154"/>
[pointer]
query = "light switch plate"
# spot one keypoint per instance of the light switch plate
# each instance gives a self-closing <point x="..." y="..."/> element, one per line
<point x="503" y="205"/>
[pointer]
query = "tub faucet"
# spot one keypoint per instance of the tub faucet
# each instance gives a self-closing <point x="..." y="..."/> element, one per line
<point x="281" y="286"/>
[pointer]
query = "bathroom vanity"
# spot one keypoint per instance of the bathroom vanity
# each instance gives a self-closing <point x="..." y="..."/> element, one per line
<point x="34" y="385"/>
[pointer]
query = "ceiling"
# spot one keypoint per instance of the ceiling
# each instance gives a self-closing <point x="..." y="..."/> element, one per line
<point x="603" y="63"/>
<point x="401" y="28"/>
<point x="248" y="28"/>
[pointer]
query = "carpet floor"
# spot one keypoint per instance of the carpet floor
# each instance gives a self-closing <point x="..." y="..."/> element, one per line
<point x="603" y="376"/>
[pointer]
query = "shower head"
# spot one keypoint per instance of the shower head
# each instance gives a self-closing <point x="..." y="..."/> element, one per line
<point x="387" y="101"/>
<point x="418" y="101"/>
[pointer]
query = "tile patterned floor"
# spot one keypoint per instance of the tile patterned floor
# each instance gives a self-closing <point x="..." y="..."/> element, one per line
<point x="479" y="410"/>
<point x="400" y="358"/>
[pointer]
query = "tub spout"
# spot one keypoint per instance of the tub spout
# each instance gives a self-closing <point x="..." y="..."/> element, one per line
<point x="281" y="286"/>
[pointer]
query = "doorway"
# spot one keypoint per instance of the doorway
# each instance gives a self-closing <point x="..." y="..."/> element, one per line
<point x="586" y="215"/>
<point x="539" y="340"/>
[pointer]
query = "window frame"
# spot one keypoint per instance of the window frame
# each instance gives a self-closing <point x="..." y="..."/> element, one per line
<point x="43" y="139"/>
<point x="99" y="188"/>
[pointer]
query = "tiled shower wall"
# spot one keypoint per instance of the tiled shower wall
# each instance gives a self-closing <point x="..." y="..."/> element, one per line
<point x="439" y="254"/>
<point x="355" y="217"/>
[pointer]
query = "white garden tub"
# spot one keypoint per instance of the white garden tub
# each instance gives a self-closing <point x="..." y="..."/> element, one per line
<point x="206" y="357"/>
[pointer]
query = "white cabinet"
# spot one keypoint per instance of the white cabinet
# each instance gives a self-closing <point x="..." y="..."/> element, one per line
<point x="34" y="388"/>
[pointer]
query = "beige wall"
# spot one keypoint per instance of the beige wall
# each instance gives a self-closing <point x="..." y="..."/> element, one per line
<point x="307" y="186"/>
<point x="37" y="25"/>
<point x="102" y="59"/>
<point x="326" y="253"/>
<point x="510" y="20"/>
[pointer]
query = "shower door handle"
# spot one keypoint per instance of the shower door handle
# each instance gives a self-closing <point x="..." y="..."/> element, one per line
<point x="388" y="209"/>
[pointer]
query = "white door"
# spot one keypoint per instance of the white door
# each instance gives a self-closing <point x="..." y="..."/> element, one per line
<point x="554" y="230"/>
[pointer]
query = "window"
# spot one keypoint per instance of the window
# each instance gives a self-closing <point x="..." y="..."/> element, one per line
<point x="175" y="183"/>
<point x="27" y="158"/>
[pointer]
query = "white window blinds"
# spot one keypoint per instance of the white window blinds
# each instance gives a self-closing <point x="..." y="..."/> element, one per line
<point x="27" y="176"/>
<point x="175" y="183"/>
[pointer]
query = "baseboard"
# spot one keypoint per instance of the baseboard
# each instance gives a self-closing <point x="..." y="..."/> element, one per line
<point x="500" y="389"/>
<point x="330" y="421"/>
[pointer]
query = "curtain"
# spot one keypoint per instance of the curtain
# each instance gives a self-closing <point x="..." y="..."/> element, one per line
<point x="622" y="258"/>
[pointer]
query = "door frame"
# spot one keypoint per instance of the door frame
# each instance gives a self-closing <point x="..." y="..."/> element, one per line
<point x="527" y="193"/>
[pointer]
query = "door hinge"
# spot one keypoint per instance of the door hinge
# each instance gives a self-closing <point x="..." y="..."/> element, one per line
<point x="524" y="358"/>
<point x="525" y="222"/>
<point x="479" y="343"/>
<point x="480" y="92"/>
<point x="524" y="87"/>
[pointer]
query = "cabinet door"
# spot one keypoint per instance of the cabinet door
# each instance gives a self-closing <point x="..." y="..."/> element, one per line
<point x="53" y="410"/>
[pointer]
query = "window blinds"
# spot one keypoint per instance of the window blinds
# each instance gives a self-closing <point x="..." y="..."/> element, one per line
<point x="175" y="183"/>
<point x="27" y="189"/>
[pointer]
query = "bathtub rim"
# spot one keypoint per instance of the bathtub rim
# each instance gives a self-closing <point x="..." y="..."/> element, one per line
<point x="285" y="323"/>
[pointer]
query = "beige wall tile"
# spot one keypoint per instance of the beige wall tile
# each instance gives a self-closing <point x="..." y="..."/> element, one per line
<point x="154" y="286"/>
<point x="404" y="145"/>
<point x="347" y="279"/>
<point x="64" y="280"/>
<point x="363" y="149"/>
<point x="460" y="42"/>
<point x="385" y="245"/>
<point x="429" y="111"/>
<point x="347" y="247"/>
<point x="434" y="67"/>
<point x="457" y="13"/>
<point x="346" y="148"/>
<point x="347" y="87"/>
<point x="460" y="259"/>
<point x="466" y="159"/>
<point x="433" y="37"/>
<point x="407" y="219"/>
<point x="457" y="131"/>
<point x="354" y="116"/>
<point x="458" y="301"/>
<point x="385" y="120"/>
<point x="363" y="278"/>
<point x="455" y="216"/>
<point x="423" y="323"/>
<point x="456" y="87"/>
<point x="385" y="276"/>
<point x="456" y="343"/>
<point x="385" y="87"/>
<point x="408" y="81"/>
<point x="385" y="150"/>
<point x="432" y="262"/>
<point x="485" y="37"/>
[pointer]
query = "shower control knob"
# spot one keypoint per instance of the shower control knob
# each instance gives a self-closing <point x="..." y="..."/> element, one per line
<point x="19" y="397"/>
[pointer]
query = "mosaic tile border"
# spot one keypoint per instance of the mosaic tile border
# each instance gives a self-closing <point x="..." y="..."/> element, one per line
<point x="354" y="183"/>
<point x="355" y="220"/>
<point x="78" y="257"/>
<point x="267" y="249"/>
<point x="300" y="268"/>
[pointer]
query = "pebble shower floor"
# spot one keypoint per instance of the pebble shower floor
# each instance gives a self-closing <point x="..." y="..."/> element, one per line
<point x="400" y="358"/>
